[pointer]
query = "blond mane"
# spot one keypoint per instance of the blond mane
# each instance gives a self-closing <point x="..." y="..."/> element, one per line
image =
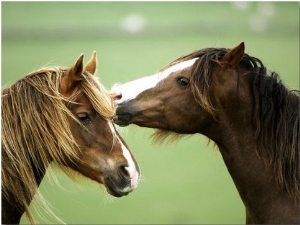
<point x="36" y="131"/>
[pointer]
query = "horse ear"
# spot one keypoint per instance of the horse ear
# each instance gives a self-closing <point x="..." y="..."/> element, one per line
<point x="91" y="65"/>
<point x="75" y="72"/>
<point x="73" y="75"/>
<point x="233" y="56"/>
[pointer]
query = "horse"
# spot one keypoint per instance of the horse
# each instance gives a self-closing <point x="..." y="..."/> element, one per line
<point x="249" y="114"/>
<point x="61" y="116"/>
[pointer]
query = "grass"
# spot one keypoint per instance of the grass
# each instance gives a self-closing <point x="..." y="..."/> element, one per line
<point x="183" y="182"/>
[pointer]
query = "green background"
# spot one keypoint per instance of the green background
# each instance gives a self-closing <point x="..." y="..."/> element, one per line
<point x="182" y="182"/>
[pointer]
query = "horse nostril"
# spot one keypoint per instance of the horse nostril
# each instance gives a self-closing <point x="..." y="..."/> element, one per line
<point x="117" y="96"/>
<point x="124" y="174"/>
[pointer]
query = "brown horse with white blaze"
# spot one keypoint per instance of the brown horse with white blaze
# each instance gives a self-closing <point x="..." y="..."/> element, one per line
<point x="227" y="95"/>
<point x="62" y="116"/>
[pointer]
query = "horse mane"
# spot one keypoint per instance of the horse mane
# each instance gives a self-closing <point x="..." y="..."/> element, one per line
<point x="276" y="108"/>
<point x="36" y="131"/>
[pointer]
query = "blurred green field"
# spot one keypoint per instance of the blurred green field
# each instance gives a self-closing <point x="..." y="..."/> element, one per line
<point x="185" y="182"/>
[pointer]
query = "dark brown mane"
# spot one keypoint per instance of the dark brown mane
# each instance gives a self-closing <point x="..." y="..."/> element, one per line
<point x="276" y="109"/>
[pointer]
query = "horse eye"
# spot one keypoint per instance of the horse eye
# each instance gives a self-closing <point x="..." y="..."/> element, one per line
<point x="183" y="81"/>
<point x="84" y="118"/>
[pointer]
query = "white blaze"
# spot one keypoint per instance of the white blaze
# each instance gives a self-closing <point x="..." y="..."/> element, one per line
<point x="131" y="169"/>
<point x="133" y="88"/>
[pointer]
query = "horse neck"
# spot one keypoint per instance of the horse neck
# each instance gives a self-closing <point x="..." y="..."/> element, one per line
<point x="11" y="210"/>
<point x="264" y="200"/>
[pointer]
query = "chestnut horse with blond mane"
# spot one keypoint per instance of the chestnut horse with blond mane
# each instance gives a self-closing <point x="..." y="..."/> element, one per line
<point x="62" y="116"/>
<point x="227" y="95"/>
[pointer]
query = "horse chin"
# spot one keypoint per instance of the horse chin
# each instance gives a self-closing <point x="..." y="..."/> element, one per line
<point x="113" y="190"/>
<point x="115" y="193"/>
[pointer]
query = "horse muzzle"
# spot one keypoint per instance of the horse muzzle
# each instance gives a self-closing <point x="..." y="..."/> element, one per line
<point x="122" y="119"/>
<point x="125" y="182"/>
<point x="125" y="114"/>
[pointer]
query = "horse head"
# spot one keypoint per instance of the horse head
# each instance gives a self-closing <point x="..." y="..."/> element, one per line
<point x="179" y="98"/>
<point x="103" y="155"/>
